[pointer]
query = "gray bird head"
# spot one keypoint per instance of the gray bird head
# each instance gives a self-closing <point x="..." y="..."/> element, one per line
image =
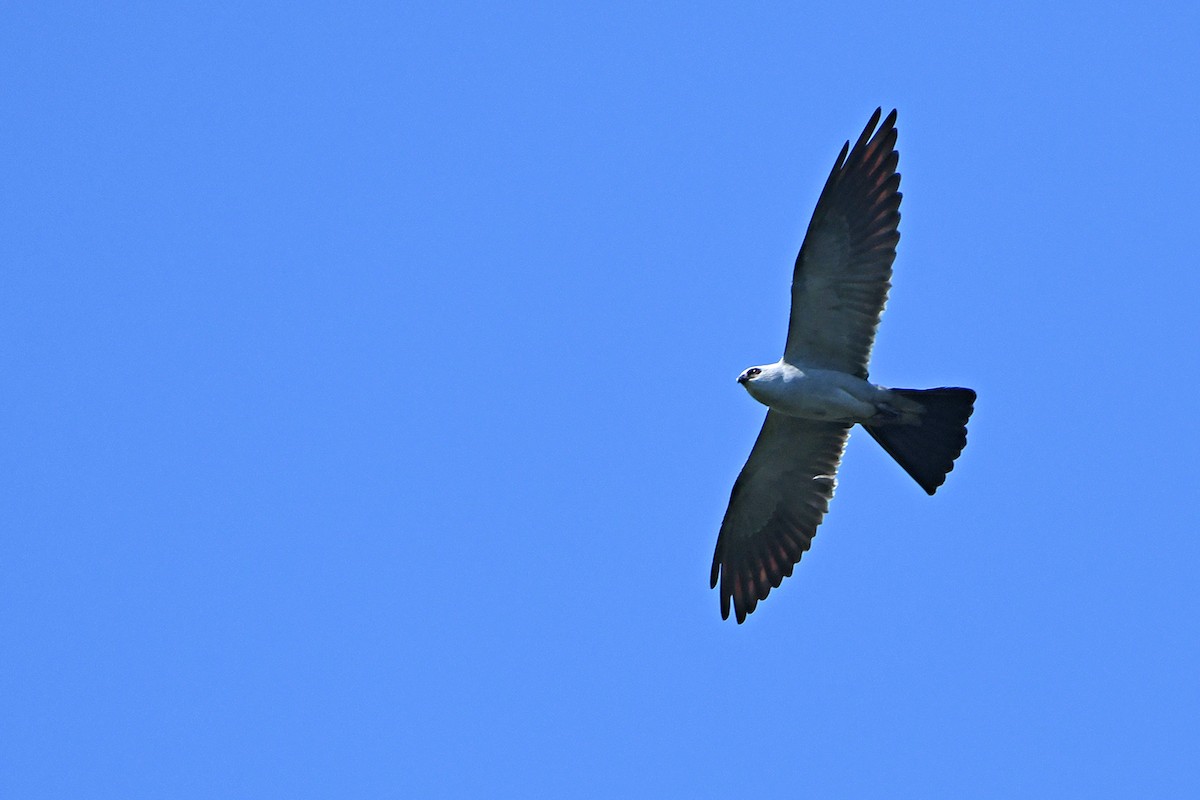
<point x="750" y="374"/>
<point x="766" y="380"/>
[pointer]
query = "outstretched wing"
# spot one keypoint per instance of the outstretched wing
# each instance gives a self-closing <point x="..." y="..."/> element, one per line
<point x="844" y="269"/>
<point x="777" y="503"/>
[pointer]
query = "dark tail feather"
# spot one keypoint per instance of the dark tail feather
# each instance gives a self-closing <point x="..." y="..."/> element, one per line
<point x="927" y="450"/>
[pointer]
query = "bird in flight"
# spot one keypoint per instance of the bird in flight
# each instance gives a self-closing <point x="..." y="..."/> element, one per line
<point x="819" y="389"/>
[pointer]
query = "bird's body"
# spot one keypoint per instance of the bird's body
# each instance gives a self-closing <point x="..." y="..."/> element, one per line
<point x="820" y="388"/>
<point x="824" y="394"/>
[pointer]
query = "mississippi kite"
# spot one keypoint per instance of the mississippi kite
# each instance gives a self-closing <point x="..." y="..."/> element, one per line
<point x="819" y="389"/>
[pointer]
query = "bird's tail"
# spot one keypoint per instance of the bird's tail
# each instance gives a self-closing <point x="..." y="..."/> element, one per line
<point x="928" y="448"/>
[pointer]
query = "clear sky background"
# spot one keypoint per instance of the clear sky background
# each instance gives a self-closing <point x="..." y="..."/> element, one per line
<point x="369" y="407"/>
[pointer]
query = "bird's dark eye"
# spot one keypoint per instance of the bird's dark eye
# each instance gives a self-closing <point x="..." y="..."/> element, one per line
<point x="753" y="371"/>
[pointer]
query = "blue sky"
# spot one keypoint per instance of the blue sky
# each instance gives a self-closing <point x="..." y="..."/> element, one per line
<point x="369" y="405"/>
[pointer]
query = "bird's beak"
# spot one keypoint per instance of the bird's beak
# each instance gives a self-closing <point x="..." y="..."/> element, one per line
<point x="742" y="379"/>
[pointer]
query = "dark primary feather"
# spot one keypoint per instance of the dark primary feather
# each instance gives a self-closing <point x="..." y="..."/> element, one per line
<point x="843" y="272"/>
<point x="776" y="505"/>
